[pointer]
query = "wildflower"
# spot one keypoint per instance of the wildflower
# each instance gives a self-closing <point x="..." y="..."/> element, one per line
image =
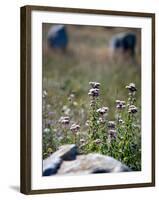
<point x="112" y="134"/>
<point x="97" y="141"/>
<point x="94" y="84"/>
<point x="120" y="104"/>
<point x="101" y="120"/>
<point x="82" y="140"/>
<point x="132" y="109"/>
<point x="50" y="113"/>
<point x="120" y="121"/>
<point x="75" y="128"/>
<point x="111" y="124"/>
<point x="94" y="92"/>
<point x="46" y="130"/>
<point x="64" y="120"/>
<point x="102" y="110"/>
<point x="71" y="97"/>
<point x="131" y="87"/>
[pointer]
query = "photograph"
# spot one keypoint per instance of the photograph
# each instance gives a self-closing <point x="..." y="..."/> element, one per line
<point x="91" y="99"/>
<point x="87" y="99"/>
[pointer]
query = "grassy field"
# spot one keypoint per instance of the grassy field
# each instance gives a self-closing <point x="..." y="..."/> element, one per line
<point x="87" y="59"/>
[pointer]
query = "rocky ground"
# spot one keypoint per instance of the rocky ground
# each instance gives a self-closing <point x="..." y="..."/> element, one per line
<point x="67" y="161"/>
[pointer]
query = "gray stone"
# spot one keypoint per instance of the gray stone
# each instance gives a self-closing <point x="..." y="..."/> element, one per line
<point x="51" y="165"/>
<point x="66" y="152"/>
<point x="92" y="163"/>
<point x="53" y="162"/>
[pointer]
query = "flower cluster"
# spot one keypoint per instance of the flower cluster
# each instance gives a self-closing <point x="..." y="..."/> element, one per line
<point x="119" y="138"/>
<point x="112" y="134"/>
<point x="94" y="84"/>
<point x="102" y="113"/>
<point x="94" y="91"/>
<point x="64" y="120"/>
<point x="132" y="109"/>
<point x="98" y="141"/>
<point x="75" y="128"/>
<point x="102" y="110"/>
<point x="120" y="121"/>
<point x="111" y="124"/>
<point x="120" y="104"/>
<point x="131" y="87"/>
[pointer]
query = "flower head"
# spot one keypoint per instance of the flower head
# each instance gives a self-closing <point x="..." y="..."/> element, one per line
<point x="94" y="84"/>
<point x="131" y="87"/>
<point x="132" y="109"/>
<point x="120" y="104"/>
<point x="71" y="97"/>
<point x="102" y="110"/>
<point x="82" y="140"/>
<point x="75" y="128"/>
<point x="97" y="141"/>
<point x="93" y="92"/>
<point x="64" y="120"/>
<point x="120" y="121"/>
<point x="112" y="134"/>
<point x="111" y="124"/>
<point x="101" y="120"/>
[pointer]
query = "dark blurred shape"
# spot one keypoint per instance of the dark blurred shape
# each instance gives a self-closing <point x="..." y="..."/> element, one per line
<point x="123" y="45"/>
<point x="58" y="38"/>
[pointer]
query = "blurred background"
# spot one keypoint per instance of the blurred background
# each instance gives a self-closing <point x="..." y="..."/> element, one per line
<point x="74" y="55"/>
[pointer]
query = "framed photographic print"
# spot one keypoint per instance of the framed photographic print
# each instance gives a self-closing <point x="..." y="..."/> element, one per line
<point x="87" y="99"/>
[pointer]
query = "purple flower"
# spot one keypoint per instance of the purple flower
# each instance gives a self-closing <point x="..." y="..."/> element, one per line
<point x="64" y="120"/>
<point x="120" y="104"/>
<point x="132" y="109"/>
<point x="50" y="113"/>
<point x="101" y="120"/>
<point x="102" y="110"/>
<point x="75" y="128"/>
<point x="112" y="134"/>
<point x="111" y="124"/>
<point x="94" y="84"/>
<point x="131" y="87"/>
<point x="94" y="92"/>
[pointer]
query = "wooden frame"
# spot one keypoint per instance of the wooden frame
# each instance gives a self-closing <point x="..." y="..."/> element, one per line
<point x="26" y="122"/>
